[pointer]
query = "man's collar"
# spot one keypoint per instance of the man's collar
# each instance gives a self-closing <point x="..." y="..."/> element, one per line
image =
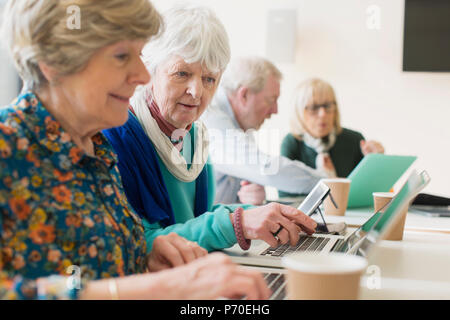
<point x="224" y="103"/>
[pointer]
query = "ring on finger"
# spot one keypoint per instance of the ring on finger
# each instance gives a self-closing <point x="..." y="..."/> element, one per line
<point x="275" y="234"/>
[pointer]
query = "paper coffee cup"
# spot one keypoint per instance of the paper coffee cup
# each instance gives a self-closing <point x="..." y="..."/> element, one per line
<point x="331" y="276"/>
<point x="381" y="200"/>
<point x="339" y="189"/>
<point x="380" y="203"/>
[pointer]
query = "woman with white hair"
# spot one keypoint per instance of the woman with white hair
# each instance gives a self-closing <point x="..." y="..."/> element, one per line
<point x="67" y="230"/>
<point x="163" y="149"/>
<point x="316" y="136"/>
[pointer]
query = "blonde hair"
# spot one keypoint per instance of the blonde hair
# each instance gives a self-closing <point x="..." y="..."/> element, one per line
<point x="251" y="72"/>
<point x="195" y="34"/>
<point x="38" y="31"/>
<point x="305" y="92"/>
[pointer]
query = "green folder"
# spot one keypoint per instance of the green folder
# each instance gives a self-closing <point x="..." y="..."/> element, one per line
<point x="375" y="173"/>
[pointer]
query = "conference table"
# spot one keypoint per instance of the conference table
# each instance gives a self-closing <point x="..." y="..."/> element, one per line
<point x="417" y="267"/>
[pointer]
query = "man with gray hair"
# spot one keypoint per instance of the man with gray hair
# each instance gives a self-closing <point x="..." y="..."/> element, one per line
<point x="247" y="96"/>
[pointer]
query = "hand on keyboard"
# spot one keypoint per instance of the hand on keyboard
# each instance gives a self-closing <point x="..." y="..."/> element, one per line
<point x="264" y="223"/>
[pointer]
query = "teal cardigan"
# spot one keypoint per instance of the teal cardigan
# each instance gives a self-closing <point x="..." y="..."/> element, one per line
<point x="213" y="229"/>
<point x="165" y="203"/>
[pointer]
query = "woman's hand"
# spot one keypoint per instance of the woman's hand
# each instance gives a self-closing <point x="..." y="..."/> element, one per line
<point x="371" y="147"/>
<point x="212" y="277"/>
<point x="251" y="193"/>
<point x="263" y="222"/>
<point x="171" y="251"/>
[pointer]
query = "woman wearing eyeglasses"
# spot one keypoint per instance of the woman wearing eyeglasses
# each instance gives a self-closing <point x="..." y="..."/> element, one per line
<point x="317" y="138"/>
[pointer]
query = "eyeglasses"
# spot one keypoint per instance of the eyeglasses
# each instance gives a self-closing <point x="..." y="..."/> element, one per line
<point x="328" y="107"/>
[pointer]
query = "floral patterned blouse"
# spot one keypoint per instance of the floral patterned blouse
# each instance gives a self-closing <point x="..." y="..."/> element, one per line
<point x="62" y="213"/>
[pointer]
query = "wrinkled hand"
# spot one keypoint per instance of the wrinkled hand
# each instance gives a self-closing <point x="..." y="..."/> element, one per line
<point x="212" y="277"/>
<point x="262" y="222"/>
<point x="171" y="251"/>
<point x="371" y="147"/>
<point x="251" y="193"/>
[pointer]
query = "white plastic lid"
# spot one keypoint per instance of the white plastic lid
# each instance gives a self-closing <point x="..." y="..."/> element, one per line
<point x="311" y="262"/>
<point x="384" y="194"/>
<point x="334" y="180"/>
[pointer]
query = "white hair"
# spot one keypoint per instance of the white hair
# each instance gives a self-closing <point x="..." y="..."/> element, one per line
<point x="195" y="34"/>
<point x="251" y="72"/>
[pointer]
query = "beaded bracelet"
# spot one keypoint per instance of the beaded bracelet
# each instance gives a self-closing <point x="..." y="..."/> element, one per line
<point x="237" y="225"/>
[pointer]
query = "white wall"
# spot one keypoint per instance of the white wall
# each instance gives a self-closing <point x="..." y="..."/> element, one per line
<point x="9" y="81"/>
<point x="408" y="112"/>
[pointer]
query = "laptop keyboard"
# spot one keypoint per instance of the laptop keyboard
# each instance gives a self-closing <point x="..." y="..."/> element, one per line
<point x="337" y="245"/>
<point x="276" y="282"/>
<point x="305" y="243"/>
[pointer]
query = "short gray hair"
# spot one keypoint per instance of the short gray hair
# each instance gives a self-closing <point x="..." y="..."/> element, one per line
<point x="37" y="31"/>
<point x="251" y="72"/>
<point x="195" y="34"/>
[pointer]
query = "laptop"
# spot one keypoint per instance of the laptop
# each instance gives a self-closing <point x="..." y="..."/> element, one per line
<point x="375" y="173"/>
<point x="357" y="242"/>
<point x="363" y="239"/>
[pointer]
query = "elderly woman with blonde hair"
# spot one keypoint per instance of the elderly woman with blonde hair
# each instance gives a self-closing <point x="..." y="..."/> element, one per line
<point x="163" y="148"/>
<point x="63" y="210"/>
<point x="317" y="137"/>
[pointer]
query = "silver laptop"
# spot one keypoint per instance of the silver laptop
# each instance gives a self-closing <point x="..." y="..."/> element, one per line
<point x="371" y="232"/>
<point x="357" y="242"/>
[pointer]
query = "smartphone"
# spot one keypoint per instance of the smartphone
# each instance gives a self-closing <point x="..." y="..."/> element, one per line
<point x="314" y="198"/>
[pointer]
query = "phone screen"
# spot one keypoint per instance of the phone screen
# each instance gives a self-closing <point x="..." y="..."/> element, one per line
<point x="312" y="201"/>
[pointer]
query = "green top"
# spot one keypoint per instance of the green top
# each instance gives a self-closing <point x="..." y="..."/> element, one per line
<point x="212" y="230"/>
<point x="345" y="154"/>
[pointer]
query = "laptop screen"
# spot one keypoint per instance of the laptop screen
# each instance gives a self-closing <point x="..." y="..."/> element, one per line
<point x="379" y="221"/>
<point x="360" y="233"/>
<point x="414" y="184"/>
<point x="411" y="188"/>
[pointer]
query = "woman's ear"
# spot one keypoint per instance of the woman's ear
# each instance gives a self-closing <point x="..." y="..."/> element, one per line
<point x="48" y="72"/>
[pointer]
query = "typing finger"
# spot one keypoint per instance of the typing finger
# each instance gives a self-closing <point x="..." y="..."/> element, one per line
<point x="269" y="238"/>
<point x="305" y="222"/>
<point x="283" y="236"/>
<point x="168" y="253"/>
<point x="292" y="231"/>
<point x="199" y="252"/>
<point x="186" y="249"/>
<point x="259" y="285"/>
